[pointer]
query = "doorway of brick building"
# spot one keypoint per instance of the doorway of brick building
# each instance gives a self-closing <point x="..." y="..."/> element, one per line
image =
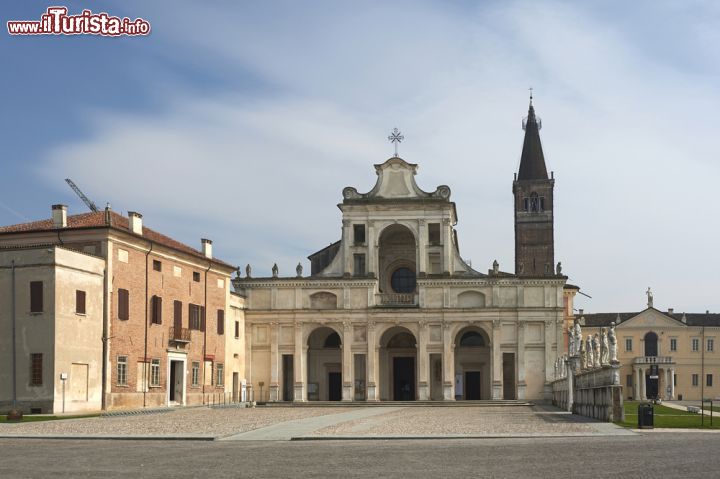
<point x="176" y="382"/>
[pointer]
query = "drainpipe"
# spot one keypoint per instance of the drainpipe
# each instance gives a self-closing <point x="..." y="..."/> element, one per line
<point x="205" y="324"/>
<point x="147" y="319"/>
<point x="14" y="361"/>
<point x="105" y="339"/>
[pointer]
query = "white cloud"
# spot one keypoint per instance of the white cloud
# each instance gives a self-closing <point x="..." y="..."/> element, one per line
<point x="630" y="137"/>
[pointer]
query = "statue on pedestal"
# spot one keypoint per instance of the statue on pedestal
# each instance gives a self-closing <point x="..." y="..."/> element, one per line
<point x="299" y="270"/>
<point x="571" y="341"/>
<point x="604" y="349"/>
<point x="577" y="332"/>
<point x="275" y="270"/>
<point x="248" y="271"/>
<point x="596" y="350"/>
<point x="583" y="354"/>
<point x="589" y="351"/>
<point x="612" y="339"/>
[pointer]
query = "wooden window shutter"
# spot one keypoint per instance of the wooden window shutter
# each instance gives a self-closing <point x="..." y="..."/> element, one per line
<point x="36" y="296"/>
<point x="123" y="304"/>
<point x="156" y="309"/>
<point x="221" y="322"/>
<point x="202" y="318"/>
<point x="80" y="301"/>
<point x="177" y="320"/>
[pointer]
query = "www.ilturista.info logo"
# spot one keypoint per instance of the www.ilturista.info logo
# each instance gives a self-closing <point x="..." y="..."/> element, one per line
<point x="57" y="22"/>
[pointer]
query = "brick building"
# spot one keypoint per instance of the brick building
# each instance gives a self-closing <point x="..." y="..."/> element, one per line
<point x="163" y="329"/>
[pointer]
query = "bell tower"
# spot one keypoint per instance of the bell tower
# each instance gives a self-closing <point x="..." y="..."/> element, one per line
<point x="533" y="192"/>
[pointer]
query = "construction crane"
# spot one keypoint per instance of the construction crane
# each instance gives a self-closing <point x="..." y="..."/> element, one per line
<point x="82" y="196"/>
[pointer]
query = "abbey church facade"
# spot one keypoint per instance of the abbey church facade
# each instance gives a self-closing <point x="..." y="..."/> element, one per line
<point x="391" y="311"/>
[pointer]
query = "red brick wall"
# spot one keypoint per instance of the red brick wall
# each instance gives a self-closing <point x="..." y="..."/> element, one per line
<point x="128" y="337"/>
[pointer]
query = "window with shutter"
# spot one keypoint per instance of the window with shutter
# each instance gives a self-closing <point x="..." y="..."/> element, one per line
<point x="177" y="316"/>
<point x="36" y="296"/>
<point x="220" y="322"/>
<point x="36" y="369"/>
<point x="80" y="302"/>
<point x="156" y="304"/>
<point x="123" y="304"/>
<point x="202" y="318"/>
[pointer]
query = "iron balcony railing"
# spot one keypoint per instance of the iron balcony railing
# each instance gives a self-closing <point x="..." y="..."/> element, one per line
<point x="653" y="360"/>
<point x="180" y="335"/>
<point x="397" y="299"/>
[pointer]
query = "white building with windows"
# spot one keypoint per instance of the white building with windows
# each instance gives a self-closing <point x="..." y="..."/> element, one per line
<point x="392" y="312"/>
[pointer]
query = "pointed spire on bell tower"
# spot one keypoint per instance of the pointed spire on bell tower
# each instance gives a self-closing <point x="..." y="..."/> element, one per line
<point x="532" y="160"/>
<point x="533" y="192"/>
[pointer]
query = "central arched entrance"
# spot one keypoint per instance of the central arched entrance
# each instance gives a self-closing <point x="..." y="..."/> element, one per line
<point x="324" y="365"/>
<point x="472" y="364"/>
<point x="398" y="359"/>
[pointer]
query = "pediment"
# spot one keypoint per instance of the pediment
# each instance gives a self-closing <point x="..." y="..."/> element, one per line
<point x="650" y="318"/>
<point x="396" y="180"/>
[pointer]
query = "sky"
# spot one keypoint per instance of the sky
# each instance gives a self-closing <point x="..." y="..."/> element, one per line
<point x="243" y="121"/>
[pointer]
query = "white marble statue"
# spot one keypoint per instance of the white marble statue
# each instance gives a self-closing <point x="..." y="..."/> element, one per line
<point x="571" y="342"/>
<point x="577" y="332"/>
<point x="604" y="349"/>
<point x="612" y="340"/>
<point x="596" y="350"/>
<point x="583" y="354"/>
<point x="589" y="352"/>
<point x="555" y="375"/>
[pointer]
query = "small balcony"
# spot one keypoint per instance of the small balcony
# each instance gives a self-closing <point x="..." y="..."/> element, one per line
<point x="653" y="360"/>
<point x="179" y="336"/>
<point x="397" y="300"/>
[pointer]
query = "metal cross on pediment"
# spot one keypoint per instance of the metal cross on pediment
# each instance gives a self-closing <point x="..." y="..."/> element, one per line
<point x="395" y="138"/>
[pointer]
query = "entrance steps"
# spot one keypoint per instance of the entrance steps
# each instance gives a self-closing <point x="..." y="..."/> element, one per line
<point x="481" y="403"/>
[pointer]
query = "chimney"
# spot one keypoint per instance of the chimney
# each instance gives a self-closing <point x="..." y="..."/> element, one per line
<point x="59" y="216"/>
<point x="207" y="247"/>
<point x="135" y="222"/>
<point x="670" y="311"/>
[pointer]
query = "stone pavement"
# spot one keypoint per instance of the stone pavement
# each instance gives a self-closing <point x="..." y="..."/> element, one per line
<point x="312" y="423"/>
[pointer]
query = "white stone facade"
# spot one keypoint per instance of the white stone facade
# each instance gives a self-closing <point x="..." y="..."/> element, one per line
<point x="393" y="312"/>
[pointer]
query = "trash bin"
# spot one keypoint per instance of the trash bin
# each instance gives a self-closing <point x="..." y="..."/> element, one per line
<point x="645" y="416"/>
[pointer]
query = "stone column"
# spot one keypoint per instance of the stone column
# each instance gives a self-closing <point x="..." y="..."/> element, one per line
<point x="570" y="384"/>
<point x="642" y="384"/>
<point x="371" y="254"/>
<point x="422" y="360"/>
<point x="346" y="252"/>
<point x="551" y="336"/>
<point x="274" y="363"/>
<point x="298" y="365"/>
<point x="521" y="359"/>
<point x="447" y="249"/>
<point x="249" y="395"/>
<point x="448" y="365"/>
<point x="372" y="360"/>
<point x="672" y="383"/>
<point x="497" y="361"/>
<point x="347" y="363"/>
<point x="422" y="248"/>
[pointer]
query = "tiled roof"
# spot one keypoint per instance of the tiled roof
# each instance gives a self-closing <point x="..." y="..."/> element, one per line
<point x="693" y="319"/>
<point x="97" y="220"/>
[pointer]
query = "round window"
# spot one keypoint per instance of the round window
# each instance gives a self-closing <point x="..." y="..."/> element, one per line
<point x="403" y="280"/>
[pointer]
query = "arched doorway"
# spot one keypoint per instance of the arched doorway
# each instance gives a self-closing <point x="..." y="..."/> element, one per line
<point x="324" y="365"/>
<point x="397" y="260"/>
<point x="398" y="359"/>
<point x="472" y="364"/>
<point x="651" y="344"/>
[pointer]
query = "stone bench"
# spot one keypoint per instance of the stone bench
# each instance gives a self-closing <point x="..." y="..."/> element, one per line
<point x="694" y="409"/>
